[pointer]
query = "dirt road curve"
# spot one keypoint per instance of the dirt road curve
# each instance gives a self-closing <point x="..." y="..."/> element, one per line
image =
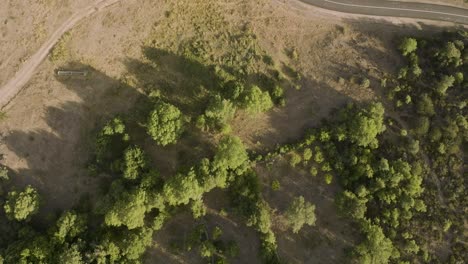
<point x="395" y="9"/>
<point x="12" y="87"/>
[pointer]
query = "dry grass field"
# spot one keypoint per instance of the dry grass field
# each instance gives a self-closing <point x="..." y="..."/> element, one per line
<point x="47" y="134"/>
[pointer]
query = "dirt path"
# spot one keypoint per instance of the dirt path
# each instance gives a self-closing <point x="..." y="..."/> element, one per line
<point x="12" y="88"/>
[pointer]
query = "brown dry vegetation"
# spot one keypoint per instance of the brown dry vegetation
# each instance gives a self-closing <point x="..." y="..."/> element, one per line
<point x="46" y="137"/>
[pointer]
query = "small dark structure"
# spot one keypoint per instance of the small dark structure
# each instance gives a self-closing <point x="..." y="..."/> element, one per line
<point x="71" y="73"/>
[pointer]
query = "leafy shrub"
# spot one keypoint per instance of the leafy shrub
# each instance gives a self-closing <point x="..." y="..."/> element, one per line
<point x="408" y="46"/>
<point x="256" y="101"/>
<point x="300" y="213"/>
<point x="294" y="159"/>
<point x="165" y="124"/>
<point x="22" y="205"/>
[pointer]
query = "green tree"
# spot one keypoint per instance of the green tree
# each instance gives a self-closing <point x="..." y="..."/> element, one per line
<point x="4" y="173"/>
<point x="133" y="243"/>
<point x="422" y="125"/>
<point x="231" y="155"/>
<point x="313" y="171"/>
<point x="165" y="124"/>
<point x="376" y="248"/>
<point x="366" y="124"/>
<point x="219" y="112"/>
<point x="352" y="205"/>
<point x="207" y="249"/>
<point x="134" y="162"/>
<point x="22" y="205"/>
<point x="307" y="155"/>
<point x="328" y="178"/>
<point x="256" y="101"/>
<point x="70" y="255"/>
<point x="425" y="105"/>
<point x="261" y="219"/>
<point x="450" y="54"/>
<point x="198" y="208"/>
<point x="129" y="210"/>
<point x="182" y="188"/>
<point x="68" y="226"/>
<point x="300" y="213"/>
<point x="445" y="83"/>
<point x="294" y="159"/>
<point x="408" y="46"/>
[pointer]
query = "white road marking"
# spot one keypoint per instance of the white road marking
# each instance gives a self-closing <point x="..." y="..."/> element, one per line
<point x="396" y="8"/>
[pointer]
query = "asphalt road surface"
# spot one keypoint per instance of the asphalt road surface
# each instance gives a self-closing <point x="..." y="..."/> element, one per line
<point x="395" y="9"/>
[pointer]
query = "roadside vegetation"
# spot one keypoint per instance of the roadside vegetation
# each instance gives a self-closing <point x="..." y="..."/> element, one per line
<point x="398" y="160"/>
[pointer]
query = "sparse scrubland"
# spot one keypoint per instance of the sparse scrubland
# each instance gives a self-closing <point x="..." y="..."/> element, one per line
<point x="397" y="161"/>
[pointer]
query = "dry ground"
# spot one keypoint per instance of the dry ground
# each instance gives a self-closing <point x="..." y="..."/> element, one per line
<point x="46" y="136"/>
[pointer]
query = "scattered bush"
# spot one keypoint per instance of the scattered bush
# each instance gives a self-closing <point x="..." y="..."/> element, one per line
<point x="22" y="205"/>
<point x="300" y="213"/>
<point x="165" y="124"/>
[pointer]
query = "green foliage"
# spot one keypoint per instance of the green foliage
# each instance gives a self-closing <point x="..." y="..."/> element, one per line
<point x="261" y="219"/>
<point x="22" y="205"/>
<point x="165" y="124"/>
<point x="219" y="112"/>
<point x="207" y="249"/>
<point x="217" y="232"/>
<point x="231" y="155"/>
<point x="198" y="208"/>
<point x="294" y="159"/>
<point x="307" y="154"/>
<point x="376" y="248"/>
<point x="413" y="147"/>
<point x="450" y="54"/>
<point x="4" y="173"/>
<point x="366" y="124"/>
<point x="275" y="185"/>
<point x="182" y="188"/>
<point x="365" y="82"/>
<point x="256" y="101"/>
<point x="70" y="255"/>
<point x="328" y="178"/>
<point x="68" y="226"/>
<point x="425" y="106"/>
<point x="112" y="139"/>
<point x="134" y="163"/>
<point x="445" y="83"/>
<point x="129" y="209"/>
<point x="313" y="171"/>
<point x="352" y="205"/>
<point x="300" y="213"/>
<point x="422" y="125"/>
<point x="318" y="155"/>
<point x="408" y="46"/>
<point x="135" y="242"/>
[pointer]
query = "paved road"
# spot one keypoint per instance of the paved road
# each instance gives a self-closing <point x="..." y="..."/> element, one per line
<point x="12" y="87"/>
<point x="395" y="9"/>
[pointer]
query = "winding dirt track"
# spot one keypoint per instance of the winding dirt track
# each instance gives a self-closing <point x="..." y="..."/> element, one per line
<point x="11" y="89"/>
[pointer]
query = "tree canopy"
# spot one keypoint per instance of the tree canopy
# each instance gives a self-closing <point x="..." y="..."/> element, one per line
<point x="165" y="124"/>
<point x="300" y="213"/>
<point x="408" y="45"/>
<point x="22" y="205"/>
